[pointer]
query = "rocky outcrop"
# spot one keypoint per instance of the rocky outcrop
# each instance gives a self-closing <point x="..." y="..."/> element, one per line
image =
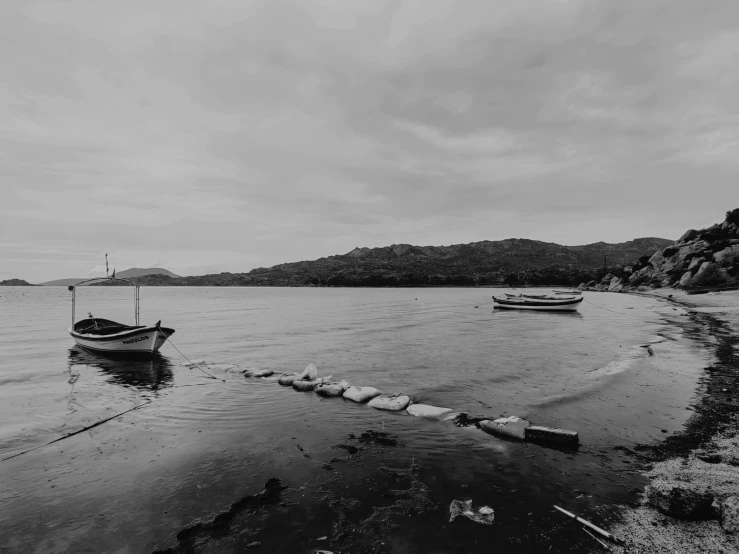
<point x="729" y="512"/>
<point x="703" y="257"/>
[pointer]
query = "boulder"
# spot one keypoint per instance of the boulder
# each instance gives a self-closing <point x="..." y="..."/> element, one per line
<point x="724" y="258"/>
<point x="695" y="263"/>
<point x="263" y="373"/>
<point x="287" y="379"/>
<point x="582" y="286"/>
<point x="680" y="500"/>
<point x="709" y="274"/>
<point x="614" y="284"/>
<point x="688" y="235"/>
<point x="329" y="389"/>
<point x="729" y="513"/>
<point x="424" y="410"/>
<point x="304" y="385"/>
<point x="310" y="372"/>
<point x="591" y="284"/>
<point x="509" y="426"/>
<point x="393" y="402"/>
<point x="685" y="279"/>
<point x="537" y="433"/>
<point x="657" y="259"/>
<point x="361" y="394"/>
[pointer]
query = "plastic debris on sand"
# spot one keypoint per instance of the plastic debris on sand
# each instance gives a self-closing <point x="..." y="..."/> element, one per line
<point x="483" y="514"/>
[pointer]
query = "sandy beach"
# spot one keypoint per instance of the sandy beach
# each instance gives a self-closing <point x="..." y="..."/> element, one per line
<point x="704" y="458"/>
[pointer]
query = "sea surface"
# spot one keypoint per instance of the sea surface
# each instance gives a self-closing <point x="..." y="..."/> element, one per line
<point x="201" y="443"/>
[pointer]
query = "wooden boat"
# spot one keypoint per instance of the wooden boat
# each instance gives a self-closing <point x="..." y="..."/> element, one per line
<point x="110" y="337"/>
<point x="548" y="305"/>
<point x="567" y="292"/>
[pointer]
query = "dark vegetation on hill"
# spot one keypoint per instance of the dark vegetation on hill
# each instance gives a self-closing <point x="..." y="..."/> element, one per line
<point x="511" y="261"/>
<point x="15" y="283"/>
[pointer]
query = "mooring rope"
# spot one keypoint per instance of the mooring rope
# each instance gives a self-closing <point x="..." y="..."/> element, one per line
<point x="77" y="432"/>
<point x="606" y="309"/>
<point x="197" y="365"/>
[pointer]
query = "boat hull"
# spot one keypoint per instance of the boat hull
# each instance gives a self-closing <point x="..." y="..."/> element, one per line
<point x="140" y="341"/>
<point x="542" y="306"/>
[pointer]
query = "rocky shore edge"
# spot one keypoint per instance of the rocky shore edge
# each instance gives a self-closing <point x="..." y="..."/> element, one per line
<point x="692" y="501"/>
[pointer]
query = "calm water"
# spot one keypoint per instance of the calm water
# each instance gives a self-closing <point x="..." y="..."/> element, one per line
<point x="131" y="484"/>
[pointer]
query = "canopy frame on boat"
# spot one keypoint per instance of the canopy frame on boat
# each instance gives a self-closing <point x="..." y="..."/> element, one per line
<point x="136" y="293"/>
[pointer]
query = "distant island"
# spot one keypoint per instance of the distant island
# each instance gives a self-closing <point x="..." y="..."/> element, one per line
<point x="485" y="263"/>
<point x="15" y="283"/>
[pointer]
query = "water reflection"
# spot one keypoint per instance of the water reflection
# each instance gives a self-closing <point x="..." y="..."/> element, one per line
<point x="150" y="374"/>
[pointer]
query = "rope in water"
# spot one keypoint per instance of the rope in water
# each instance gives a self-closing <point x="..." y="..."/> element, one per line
<point x="602" y="308"/>
<point x="77" y="432"/>
<point x="193" y="364"/>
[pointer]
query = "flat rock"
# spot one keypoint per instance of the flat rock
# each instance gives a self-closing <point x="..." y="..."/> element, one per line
<point x="392" y="403"/>
<point x="729" y="510"/>
<point x="425" y="410"/>
<point x="509" y="426"/>
<point x="361" y="394"/>
<point x="286" y="379"/>
<point x="304" y="385"/>
<point x="537" y="433"/>
<point x="263" y="373"/>
<point x="329" y="389"/>
<point x="680" y="500"/>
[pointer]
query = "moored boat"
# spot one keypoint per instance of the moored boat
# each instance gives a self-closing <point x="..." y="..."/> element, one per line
<point x="110" y="337"/>
<point x="567" y="292"/>
<point x="548" y="305"/>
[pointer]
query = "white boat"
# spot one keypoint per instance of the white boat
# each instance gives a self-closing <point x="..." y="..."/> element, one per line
<point x="539" y="304"/>
<point x="110" y="337"/>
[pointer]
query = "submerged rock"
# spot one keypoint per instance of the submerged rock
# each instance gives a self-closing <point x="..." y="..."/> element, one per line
<point x="286" y="379"/>
<point x="263" y="373"/>
<point x="509" y="426"/>
<point x="680" y="500"/>
<point x="361" y="394"/>
<point x="393" y="403"/>
<point x="425" y="410"/>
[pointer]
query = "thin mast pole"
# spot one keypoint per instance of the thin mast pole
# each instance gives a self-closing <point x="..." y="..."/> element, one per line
<point x="74" y="290"/>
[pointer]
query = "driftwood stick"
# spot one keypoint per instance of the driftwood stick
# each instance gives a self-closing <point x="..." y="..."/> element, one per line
<point x="595" y="528"/>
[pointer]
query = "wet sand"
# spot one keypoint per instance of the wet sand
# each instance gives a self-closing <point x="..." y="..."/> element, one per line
<point x="706" y="453"/>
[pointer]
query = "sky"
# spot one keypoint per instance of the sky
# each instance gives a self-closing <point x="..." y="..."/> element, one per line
<point x="233" y="134"/>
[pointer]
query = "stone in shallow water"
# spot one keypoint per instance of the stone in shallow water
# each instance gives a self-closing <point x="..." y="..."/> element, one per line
<point x="287" y="379"/>
<point x="548" y="434"/>
<point x="361" y="394"/>
<point x="509" y="426"/>
<point x="426" y="410"/>
<point x="392" y="403"/>
<point x="329" y="389"/>
<point x="304" y="385"/>
<point x="263" y="373"/>
<point x="310" y="371"/>
<point x="680" y="500"/>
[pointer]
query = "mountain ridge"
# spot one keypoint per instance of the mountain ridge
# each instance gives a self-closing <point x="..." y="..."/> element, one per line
<point x="470" y="264"/>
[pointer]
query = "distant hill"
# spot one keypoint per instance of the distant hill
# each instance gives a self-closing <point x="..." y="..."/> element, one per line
<point x="15" y="283"/>
<point x="139" y="272"/>
<point x="126" y="274"/>
<point x="477" y="263"/>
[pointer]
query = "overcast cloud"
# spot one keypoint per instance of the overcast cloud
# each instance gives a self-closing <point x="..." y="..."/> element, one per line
<point x="230" y="134"/>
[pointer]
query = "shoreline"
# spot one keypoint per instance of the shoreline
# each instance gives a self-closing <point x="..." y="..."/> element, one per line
<point x="705" y="455"/>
